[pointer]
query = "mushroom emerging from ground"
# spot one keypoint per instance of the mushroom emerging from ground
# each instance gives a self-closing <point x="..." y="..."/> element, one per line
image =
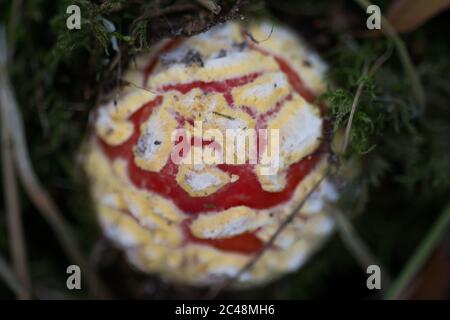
<point x="200" y="223"/>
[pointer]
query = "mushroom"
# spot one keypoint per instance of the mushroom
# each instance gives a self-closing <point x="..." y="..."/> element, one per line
<point x="196" y="221"/>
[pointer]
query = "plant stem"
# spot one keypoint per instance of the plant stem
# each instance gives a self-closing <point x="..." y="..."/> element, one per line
<point x="210" y="5"/>
<point x="32" y="186"/>
<point x="353" y="110"/>
<point x="357" y="247"/>
<point x="214" y="292"/>
<point x="410" y="70"/>
<point x="12" y="204"/>
<point x="8" y="276"/>
<point x="14" y="217"/>
<point x="416" y="262"/>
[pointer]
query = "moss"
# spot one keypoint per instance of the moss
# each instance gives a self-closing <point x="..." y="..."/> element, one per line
<point x="59" y="75"/>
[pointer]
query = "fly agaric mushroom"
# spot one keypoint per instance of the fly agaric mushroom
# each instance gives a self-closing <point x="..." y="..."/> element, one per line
<point x="200" y="223"/>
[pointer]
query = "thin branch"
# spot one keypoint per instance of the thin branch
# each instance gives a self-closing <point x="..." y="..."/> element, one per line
<point x="12" y="205"/>
<point x="352" y="112"/>
<point x="223" y="115"/>
<point x="377" y="64"/>
<point x="355" y="244"/>
<point x="410" y="70"/>
<point x="37" y="193"/>
<point x="416" y="262"/>
<point x="229" y="281"/>
<point x="14" y="216"/>
<point x="254" y="40"/>
<point x="210" y="5"/>
<point x="14" y="18"/>
<point x="7" y="275"/>
<point x="154" y="12"/>
<point x="380" y="61"/>
<point x="131" y="84"/>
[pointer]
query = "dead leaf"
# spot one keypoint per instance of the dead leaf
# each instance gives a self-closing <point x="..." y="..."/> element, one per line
<point x="407" y="15"/>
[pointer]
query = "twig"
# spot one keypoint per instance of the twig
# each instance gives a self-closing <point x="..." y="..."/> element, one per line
<point x="360" y="251"/>
<point x="30" y="182"/>
<point x="12" y="205"/>
<point x="14" y="17"/>
<point x="390" y="31"/>
<point x="380" y="61"/>
<point x="355" y="244"/>
<point x="229" y="281"/>
<point x="254" y="40"/>
<point x="416" y="262"/>
<point x="157" y="12"/>
<point x="223" y="115"/>
<point x="8" y="276"/>
<point x="377" y="64"/>
<point x="352" y="112"/>
<point x="14" y="216"/>
<point x="131" y="84"/>
<point x="210" y="5"/>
